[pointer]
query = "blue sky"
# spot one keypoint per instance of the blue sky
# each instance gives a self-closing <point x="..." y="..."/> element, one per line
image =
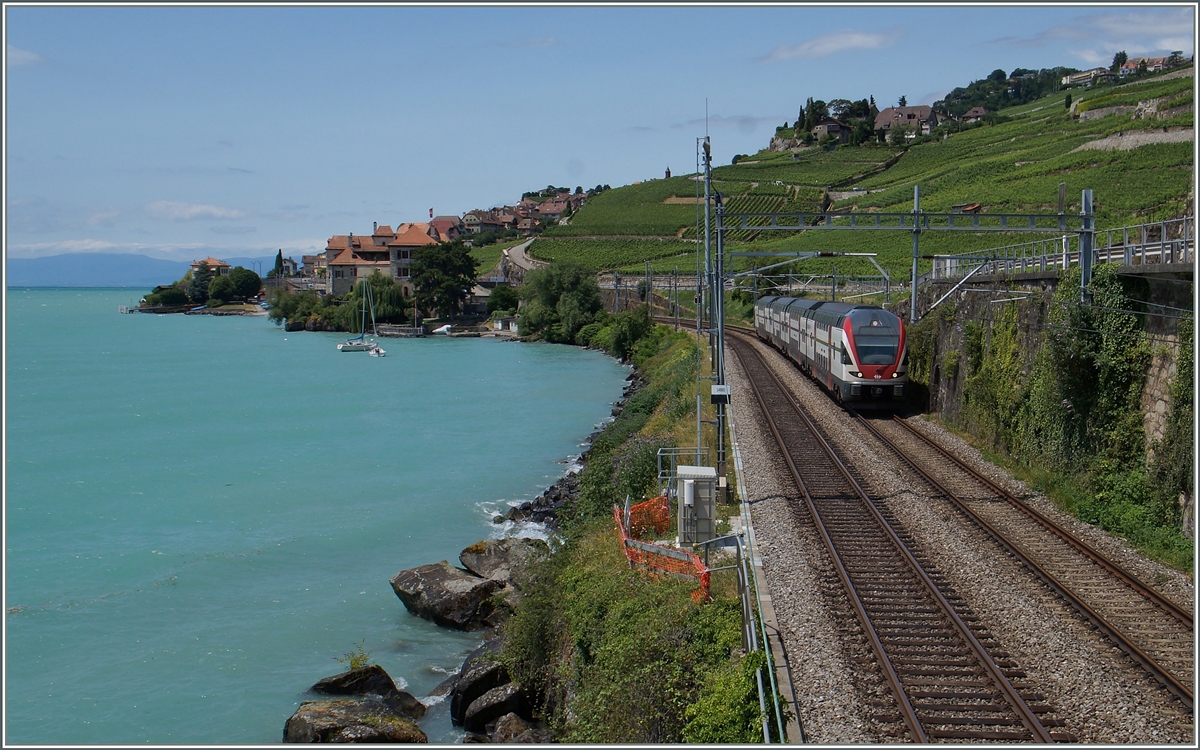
<point x="180" y="132"/>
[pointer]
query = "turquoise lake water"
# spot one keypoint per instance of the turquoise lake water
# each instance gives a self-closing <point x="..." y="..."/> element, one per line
<point x="203" y="513"/>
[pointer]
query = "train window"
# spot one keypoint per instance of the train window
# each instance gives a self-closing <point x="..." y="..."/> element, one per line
<point x="846" y="357"/>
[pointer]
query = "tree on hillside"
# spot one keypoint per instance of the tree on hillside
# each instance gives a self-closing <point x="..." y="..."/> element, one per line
<point x="442" y="277"/>
<point x="902" y="101"/>
<point x="559" y="299"/>
<point x="197" y="289"/>
<point x="1119" y="59"/>
<point x="246" y="283"/>
<point x="998" y="76"/>
<point x="1175" y="59"/>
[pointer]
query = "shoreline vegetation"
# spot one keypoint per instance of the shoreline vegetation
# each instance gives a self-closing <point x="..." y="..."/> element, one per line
<point x="580" y="647"/>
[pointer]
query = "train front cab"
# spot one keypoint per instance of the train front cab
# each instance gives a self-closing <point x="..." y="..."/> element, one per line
<point x="874" y="358"/>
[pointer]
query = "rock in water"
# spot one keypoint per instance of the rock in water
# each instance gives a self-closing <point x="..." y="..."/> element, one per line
<point x="490" y="706"/>
<point x="372" y="680"/>
<point x="480" y="673"/>
<point x="350" y="720"/>
<point x="368" y="680"/>
<point x="500" y="559"/>
<point x="446" y="595"/>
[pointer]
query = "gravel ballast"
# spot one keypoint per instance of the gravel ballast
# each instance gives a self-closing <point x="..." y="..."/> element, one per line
<point x="1101" y="694"/>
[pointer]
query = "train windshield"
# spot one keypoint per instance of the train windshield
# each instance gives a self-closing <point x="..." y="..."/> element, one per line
<point x="876" y="336"/>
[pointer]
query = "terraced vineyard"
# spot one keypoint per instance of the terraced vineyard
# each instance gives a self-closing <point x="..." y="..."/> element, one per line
<point x="1011" y="167"/>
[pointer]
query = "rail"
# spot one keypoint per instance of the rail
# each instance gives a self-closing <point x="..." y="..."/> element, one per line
<point x="1110" y="630"/>
<point x="849" y="520"/>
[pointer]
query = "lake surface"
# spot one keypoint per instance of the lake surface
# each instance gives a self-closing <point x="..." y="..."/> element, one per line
<point x="203" y="513"/>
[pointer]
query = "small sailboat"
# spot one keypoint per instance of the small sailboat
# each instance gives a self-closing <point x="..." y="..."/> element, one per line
<point x="361" y="343"/>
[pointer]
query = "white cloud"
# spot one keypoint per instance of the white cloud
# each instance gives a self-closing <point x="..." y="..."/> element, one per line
<point x="16" y="57"/>
<point x="176" y="211"/>
<point x="836" y="43"/>
<point x="1146" y="33"/>
<point x="234" y="230"/>
<point x="102" y="218"/>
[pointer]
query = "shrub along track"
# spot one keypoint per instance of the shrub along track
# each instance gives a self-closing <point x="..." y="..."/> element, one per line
<point x="1154" y="631"/>
<point x="948" y="677"/>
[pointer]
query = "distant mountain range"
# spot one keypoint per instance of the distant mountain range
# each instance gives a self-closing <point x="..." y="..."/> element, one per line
<point x="108" y="269"/>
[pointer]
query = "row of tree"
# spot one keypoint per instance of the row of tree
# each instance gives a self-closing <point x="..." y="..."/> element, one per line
<point x="202" y="285"/>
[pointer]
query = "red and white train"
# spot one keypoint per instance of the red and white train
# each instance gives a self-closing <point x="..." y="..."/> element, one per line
<point x="857" y="352"/>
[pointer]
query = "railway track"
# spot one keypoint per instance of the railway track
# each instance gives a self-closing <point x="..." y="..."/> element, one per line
<point x="1154" y="631"/>
<point x="949" y="678"/>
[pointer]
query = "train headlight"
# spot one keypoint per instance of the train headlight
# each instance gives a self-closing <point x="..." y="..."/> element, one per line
<point x="895" y="374"/>
<point x="856" y="374"/>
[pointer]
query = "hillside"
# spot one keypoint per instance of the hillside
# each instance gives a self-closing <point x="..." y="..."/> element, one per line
<point x="1013" y="166"/>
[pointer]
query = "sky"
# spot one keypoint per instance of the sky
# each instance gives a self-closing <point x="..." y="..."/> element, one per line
<point x="179" y="132"/>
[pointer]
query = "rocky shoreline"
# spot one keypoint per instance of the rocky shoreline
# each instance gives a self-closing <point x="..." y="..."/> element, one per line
<point x="478" y="596"/>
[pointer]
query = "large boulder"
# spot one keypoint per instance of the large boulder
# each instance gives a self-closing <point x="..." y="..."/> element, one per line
<point x="493" y="704"/>
<point x="501" y="559"/>
<point x="368" y="680"/>
<point x="447" y="595"/>
<point x="371" y="680"/>
<point x="513" y="730"/>
<point x="480" y="673"/>
<point x="350" y="720"/>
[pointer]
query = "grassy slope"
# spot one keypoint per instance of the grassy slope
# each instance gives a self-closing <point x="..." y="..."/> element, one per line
<point x="1012" y="167"/>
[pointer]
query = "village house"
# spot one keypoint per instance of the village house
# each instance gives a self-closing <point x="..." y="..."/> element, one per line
<point x="313" y="266"/>
<point x="833" y="128"/>
<point x="351" y="258"/>
<point x="479" y="221"/>
<point x="552" y="209"/>
<point x="974" y="114"/>
<point x="448" y="228"/>
<point x="919" y="120"/>
<point x="1153" y="65"/>
<point x="218" y="267"/>
<point x="1089" y="77"/>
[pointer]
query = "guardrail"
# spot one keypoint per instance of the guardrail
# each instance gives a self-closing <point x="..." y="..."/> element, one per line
<point x="1164" y="242"/>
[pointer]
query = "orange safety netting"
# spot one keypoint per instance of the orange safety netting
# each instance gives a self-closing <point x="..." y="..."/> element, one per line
<point x="654" y="515"/>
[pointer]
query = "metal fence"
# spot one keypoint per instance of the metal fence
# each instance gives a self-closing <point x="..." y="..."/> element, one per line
<point x="1171" y="241"/>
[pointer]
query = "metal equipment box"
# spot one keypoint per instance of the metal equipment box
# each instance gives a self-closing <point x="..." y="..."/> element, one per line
<point x="696" y="493"/>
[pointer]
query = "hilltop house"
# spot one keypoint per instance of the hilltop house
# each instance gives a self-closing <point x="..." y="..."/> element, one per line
<point x="1089" y="77"/>
<point x="351" y="259"/>
<point x="833" y="128"/>
<point x="1153" y="65"/>
<point x="218" y="267"/>
<point x="974" y="114"/>
<point x="919" y="120"/>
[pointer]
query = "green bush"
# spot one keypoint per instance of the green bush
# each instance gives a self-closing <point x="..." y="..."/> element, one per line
<point x="172" y="295"/>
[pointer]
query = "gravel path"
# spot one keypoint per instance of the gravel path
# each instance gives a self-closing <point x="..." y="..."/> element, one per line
<point x="1094" y="687"/>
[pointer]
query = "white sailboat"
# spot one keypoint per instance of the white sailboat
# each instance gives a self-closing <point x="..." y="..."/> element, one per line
<point x="361" y="343"/>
